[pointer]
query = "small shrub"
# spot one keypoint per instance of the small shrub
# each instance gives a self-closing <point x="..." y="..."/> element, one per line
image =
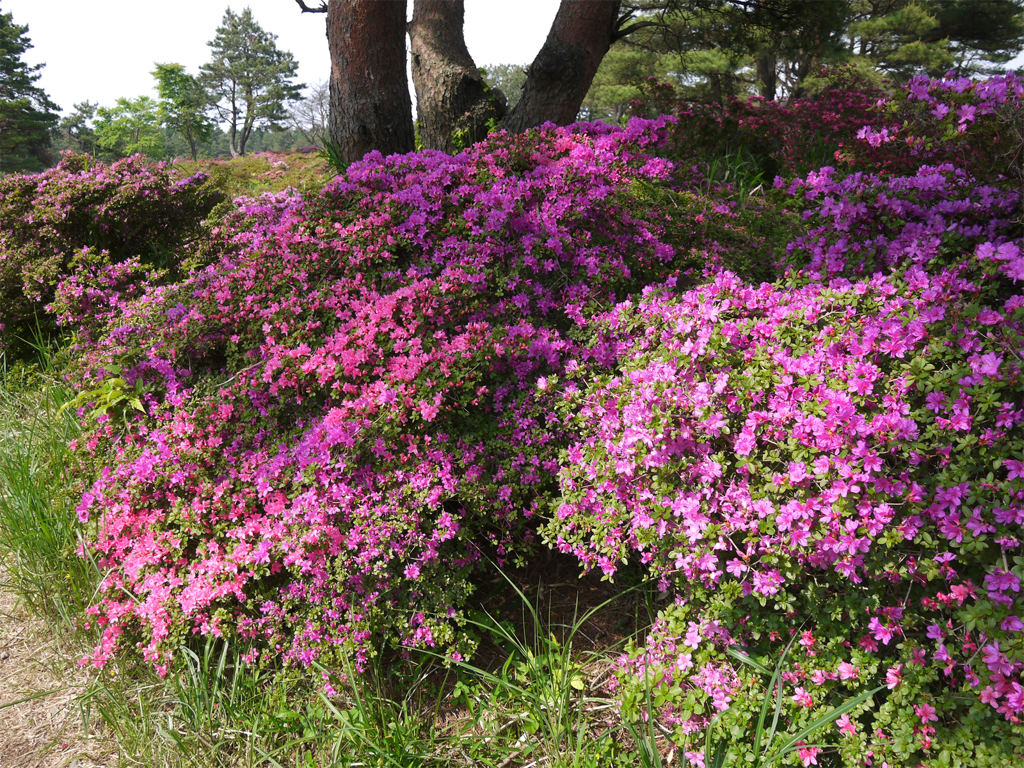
<point x="787" y="139"/>
<point x="86" y="215"/>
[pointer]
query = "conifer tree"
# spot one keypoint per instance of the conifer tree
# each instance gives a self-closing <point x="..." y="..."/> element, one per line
<point x="249" y="78"/>
<point x="26" y="112"/>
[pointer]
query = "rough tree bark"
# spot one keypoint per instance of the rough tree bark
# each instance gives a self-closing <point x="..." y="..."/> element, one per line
<point x="558" y="79"/>
<point x="370" y="103"/>
<point x="766" y="77"/>
<point x="453" y="104"/>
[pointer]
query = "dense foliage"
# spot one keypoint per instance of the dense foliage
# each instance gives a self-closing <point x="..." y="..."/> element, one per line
<point x="308" y="444"/>
<point x="853" y="125"/>
<point x="82" y="216"/>
<point x="711" y="50"/>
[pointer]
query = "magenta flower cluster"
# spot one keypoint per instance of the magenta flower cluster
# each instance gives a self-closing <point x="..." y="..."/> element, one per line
<point x="841" y="451"/>
<point x="343" y="412"/>
<point x="954" y="118"/>
<point x="440" y="358"/>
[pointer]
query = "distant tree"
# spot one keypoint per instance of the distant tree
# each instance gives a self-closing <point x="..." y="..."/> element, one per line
<point x="77" y="129"/>
<point x="129" y="127"/>
<point x="183" y="105"/>
<point x="248" y="80"/>
<point x="310" y="116"/>
<point x="711" y="49"/>
<point x="983" y="35"/>
<point x="508" y="78"/>
<point x="617" y="81"/>
<point x="26" y="113"/>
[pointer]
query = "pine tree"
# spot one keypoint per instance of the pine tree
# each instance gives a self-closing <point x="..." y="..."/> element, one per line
<point x="26" y="112"/>
<point x="248" y="79"/>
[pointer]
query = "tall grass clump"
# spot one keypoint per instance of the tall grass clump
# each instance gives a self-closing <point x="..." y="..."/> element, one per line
<point x="40" y="485"/>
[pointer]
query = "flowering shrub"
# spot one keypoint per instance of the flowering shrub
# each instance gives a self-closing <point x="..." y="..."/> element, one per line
<point x="840" y="455"/>
<point x="543" y="338"/>
<point x="865" y="223"/>
<point x="953" y="119"/>
<point x="86" y="214"/>
<point x="856" y="126"/>
<point x="785" y="138"/>
<point x="343" y="409"/>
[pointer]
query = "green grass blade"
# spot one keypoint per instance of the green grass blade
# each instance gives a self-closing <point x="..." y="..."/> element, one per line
<point x="829" y="717"/>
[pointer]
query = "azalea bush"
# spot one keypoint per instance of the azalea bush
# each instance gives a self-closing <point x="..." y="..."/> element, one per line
<point x="342" y="412"/>
<point x="841" y="452"/>
<point x="799" y="415"/>
<point x="82" y="215"/>
<point x="855" y="126"/>
<point x="952" y="119"/>
<point x="782" y="138"/>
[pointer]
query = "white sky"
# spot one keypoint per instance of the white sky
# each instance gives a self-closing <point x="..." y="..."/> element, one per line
<point x="101" y="50"/>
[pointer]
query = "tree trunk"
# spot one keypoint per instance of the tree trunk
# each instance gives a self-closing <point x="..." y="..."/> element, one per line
<point x="766" y="77"/>
<point x="805" y="64"/>
<point x="233" y="133"/>
<point x="453" y="104"/>
<point x="558" y="79"/>
<point x="370" y="103"/>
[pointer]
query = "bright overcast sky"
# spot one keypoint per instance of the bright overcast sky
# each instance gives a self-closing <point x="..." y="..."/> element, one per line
<point x="100" y="50"/>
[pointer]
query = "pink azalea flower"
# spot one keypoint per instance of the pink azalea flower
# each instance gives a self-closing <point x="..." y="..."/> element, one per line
<point x="802" y="697"/>
<point x="893" y="676"/>
<point x="808" y="755"/>
<point x="989" y="696"/>
<point x="845" y="725"/>
<point x="847" y="671"/>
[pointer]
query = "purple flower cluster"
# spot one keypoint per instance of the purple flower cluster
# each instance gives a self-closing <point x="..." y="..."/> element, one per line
<point x="840" y="450"/>
<point x="343" y="410"/>
<point x="442" y="357"/>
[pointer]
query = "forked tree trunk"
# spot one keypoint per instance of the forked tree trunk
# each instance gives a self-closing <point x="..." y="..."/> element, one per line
<point x="558" y="79"/>
<point x="370" y="103"/>
<point x="453" y="105"/>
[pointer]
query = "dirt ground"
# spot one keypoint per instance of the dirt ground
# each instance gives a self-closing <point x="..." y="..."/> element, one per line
<point x="40" y="723"/>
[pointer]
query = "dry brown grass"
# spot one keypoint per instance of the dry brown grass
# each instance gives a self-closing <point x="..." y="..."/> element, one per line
<point x="38" y="670"/>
